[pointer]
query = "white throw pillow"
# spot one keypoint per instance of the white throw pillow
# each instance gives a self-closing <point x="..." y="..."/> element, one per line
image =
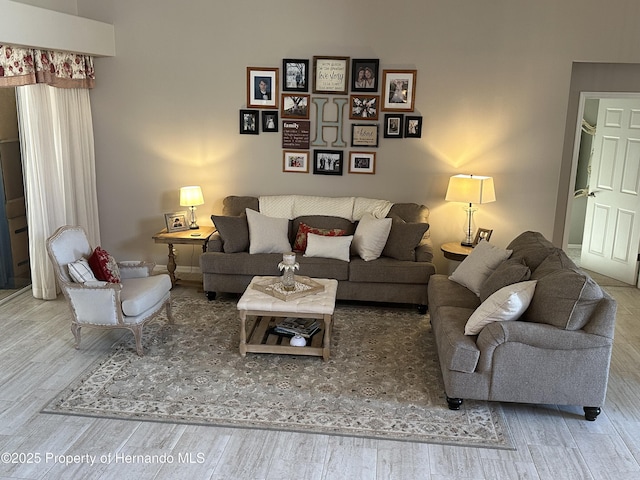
<point x="371" y="236"/>
<point x="81" y="272"/>
<point x="328" y="247"/>
<point x="267" y="234"/>
<point x="477" y="267"/>
<point x="506" y="304"/>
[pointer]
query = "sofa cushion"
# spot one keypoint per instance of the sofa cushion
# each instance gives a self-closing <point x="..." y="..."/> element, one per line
<point x="267" y="234"/>
<point x="476" y="268"/>
<point x="565" y="296"/>
<point x="235" y="206"/>
<point x="510" y="271"/>
<point x="507" y="304"/>
<point x="388" y="270"/>
<point x="234" y="232"/>
<point x="403" y="239"/>
<point x="443" y="291"/>
<point x="371" y="236"/>
<point x="300" y="243"/>
<point x="327" y="246"/>
<point x="140" y="294"/>
<point x="532" y="247"/>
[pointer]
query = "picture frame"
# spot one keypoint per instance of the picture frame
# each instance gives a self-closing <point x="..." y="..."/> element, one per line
<point x="295" y="161"/>
<point x="262" y="87"/>
<point x="399" y="90"/>
<point x="176" y="221"/>
<point x="295" y="105"/>
<point x="364" y="135"/>
<point x="327" y="162"/>
<point x="364" y="74"/>
<point x="362" y="162"/>
<point x="482" y="234"/>
<point x="393" y="125"/>
<point x="364" y="107"/>
<point x="269" y="121"/>
<point x="295" y="75"/>
<point x="330" y="75"/>
<point x="249" y="122"/>
<point x="413" y="127"/>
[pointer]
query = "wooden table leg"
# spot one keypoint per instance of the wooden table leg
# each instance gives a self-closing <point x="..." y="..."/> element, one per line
<point x="243" y="333"/>
<point x="171" y="265"/>
<point x="326" y="341"/>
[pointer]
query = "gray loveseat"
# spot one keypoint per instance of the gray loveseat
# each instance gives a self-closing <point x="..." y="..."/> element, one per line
<point x="557" y="352"/>
<point x="399" y="275"/>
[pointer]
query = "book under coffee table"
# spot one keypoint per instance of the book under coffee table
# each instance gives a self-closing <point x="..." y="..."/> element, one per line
<point x="263" y="312"/>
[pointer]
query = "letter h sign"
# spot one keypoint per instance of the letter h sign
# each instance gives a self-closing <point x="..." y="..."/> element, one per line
<point x="322" y="124"/>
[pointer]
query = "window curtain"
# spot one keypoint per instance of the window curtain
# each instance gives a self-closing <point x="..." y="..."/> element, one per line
<point x="56" y="137"/>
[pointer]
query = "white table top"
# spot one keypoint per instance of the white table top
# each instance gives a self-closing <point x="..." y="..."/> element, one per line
<point x="321" y="302"/>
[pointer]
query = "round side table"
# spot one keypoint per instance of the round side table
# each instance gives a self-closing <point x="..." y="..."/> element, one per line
<point x="455" y="251"/>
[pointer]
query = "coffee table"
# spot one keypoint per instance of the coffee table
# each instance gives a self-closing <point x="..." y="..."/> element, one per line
<point x="264" y="311"/>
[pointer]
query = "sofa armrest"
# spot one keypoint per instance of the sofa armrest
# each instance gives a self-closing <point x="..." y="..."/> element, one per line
<point x="215" y="243"/>
<point x="424" y="251"/>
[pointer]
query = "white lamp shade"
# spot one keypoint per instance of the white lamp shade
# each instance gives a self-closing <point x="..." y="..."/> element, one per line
<point x="470" y="189"/>
<point x="191" y="196"/>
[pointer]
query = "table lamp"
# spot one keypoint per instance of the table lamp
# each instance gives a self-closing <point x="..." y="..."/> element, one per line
<point x="191" y="197"/>
<point x="470" y="189"/>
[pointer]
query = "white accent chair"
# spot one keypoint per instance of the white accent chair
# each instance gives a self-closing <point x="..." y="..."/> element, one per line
<point x="131" y="304"/>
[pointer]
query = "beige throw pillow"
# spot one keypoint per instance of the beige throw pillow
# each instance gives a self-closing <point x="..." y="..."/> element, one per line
<point x="371" y="236"/>
<point x="477" y="267"/>
<point x="267" y="234"/>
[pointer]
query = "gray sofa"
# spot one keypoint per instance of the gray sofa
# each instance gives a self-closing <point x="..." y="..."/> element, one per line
<point x="399" y="275"/>
<point x="557" y="352"/>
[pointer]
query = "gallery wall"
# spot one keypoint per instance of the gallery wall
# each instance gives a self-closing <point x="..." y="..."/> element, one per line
<point x="492" y="87"/>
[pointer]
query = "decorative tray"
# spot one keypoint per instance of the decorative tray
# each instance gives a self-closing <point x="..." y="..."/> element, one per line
<point x="273" y="286"/>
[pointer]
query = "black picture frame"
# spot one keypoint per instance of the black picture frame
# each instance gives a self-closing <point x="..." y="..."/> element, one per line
<point x="364" y="135"/>
<point x="295" y="75"/>
<point x="412" y="126"/>
<point x="393" y="126"/>
<point x="249" y="122"/>
<point x="369" y="81"/>
<point x="328" y="162"/>
<point x="269" y="121"/>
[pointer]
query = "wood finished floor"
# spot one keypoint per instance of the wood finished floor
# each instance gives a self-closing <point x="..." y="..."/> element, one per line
<point x="37" y="361"/>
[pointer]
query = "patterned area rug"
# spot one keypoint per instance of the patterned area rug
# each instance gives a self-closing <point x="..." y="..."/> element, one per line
<point x="382" y="380"/>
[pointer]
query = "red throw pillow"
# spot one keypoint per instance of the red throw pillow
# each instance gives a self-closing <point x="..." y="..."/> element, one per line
<point x="104" y="266"/>
<point x="300" y="244"/>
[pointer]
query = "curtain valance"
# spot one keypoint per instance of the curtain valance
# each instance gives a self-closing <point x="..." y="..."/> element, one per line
<point x="27" y="66"/>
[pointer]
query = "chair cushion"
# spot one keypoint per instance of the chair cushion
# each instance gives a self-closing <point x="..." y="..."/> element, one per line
<point x="140" y="294"/>
<point x="104" y="266"/>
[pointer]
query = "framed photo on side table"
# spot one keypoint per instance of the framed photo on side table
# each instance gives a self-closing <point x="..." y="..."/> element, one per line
<point x="176" y="221"/>
<point x="399" y="90"/>
<point x="327" y="162"/>
<point x="262" y="87"/>
<point x="364" y="74"/>
<point x="482" y="234"/>
<point x="295" y="75"/>
<point x="362" y="162"/>
<point x="331" y="75"/>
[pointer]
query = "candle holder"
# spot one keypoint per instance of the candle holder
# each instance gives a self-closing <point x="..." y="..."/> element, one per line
<point x="288" y="266"/>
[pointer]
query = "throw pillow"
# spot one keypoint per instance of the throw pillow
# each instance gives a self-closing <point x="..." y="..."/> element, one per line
<point x="508" y="272"/>
<point x="80" y="271"/>
<point x="477" y="267"/>
<point x="234" y="232"/>
<point x="104" y="266"/>
<point x="371" y="236"/>
<point x="328" y="247"/>
<point x="267" y="234"/>
<point x="507" y="304"/>
<point x="300" y="243"/>
<point x="403" y="239"/>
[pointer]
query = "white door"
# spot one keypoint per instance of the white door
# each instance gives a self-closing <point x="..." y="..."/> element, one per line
<point x="612" y="224"/>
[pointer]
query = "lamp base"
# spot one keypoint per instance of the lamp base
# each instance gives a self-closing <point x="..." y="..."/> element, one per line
<point x="466" y="244"/>
<point x="193" y="227"/>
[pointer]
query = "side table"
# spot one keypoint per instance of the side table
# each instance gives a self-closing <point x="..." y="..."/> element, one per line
<point x="455" y="251"/>
<point x="187" y="237"/>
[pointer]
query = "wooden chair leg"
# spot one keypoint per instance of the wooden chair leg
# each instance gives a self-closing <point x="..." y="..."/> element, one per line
<point x="137" y="334"/>
<point x="75" y="329"/>
<point x="169" y="312"/>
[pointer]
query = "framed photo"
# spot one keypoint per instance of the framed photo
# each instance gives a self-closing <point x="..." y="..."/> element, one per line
<point x="413" y="127"/>
<point x="295" y="106"/>
<point x="327" y="162"/>
<point x="364" y="75"/>
<point x="364" y="135"/>
<point x="249" y="122"/>
<point x="331" y="75"/>
<point x="482" y="234"/>
<point x="295" y="161"/>
<point x="269" y="121"/>
<point x="362" y="162"/>
<point x="393" y="125"/>
<point x="364" y="107"/>
<point x="262" y="87"/>
<point x="295" y="75"/>
<point x="176" y="221"/>
<point x="399" y="90"/>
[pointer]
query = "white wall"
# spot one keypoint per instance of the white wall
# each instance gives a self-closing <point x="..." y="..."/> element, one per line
<point x="493" y="88"/>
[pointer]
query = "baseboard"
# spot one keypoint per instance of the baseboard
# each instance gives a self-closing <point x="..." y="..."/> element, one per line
<point x="179" y="269"/>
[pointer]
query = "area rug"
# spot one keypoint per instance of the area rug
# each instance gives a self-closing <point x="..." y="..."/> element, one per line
<point x="382" y="380"/>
